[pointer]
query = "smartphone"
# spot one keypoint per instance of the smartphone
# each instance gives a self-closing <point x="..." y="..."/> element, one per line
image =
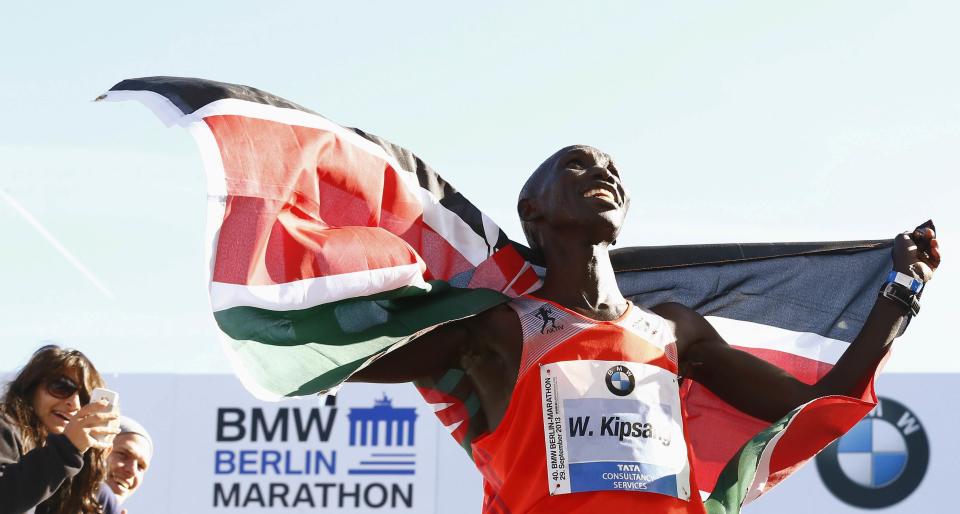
<point x="112" y="397"/>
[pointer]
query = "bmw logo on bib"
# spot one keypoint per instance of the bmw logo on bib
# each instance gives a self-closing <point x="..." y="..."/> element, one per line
<point x="880" y="461"/>
<point x="620" y="380"/>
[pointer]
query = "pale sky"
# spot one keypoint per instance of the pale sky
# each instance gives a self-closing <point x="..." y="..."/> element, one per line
<point x="732" y="122"/>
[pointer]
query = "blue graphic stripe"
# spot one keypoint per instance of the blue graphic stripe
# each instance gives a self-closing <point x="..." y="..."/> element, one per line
<point x="621" y="476"/>
<point x="887" y="467"/>
<point x="387" y="463"/>
<point x="915" y="285"/>
<point x="380" y="472"/>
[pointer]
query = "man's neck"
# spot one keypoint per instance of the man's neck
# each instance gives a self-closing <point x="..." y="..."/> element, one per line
<point x="580" y="277"/>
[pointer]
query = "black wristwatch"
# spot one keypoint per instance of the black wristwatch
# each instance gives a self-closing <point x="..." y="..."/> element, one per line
<point x="903" y="296"/>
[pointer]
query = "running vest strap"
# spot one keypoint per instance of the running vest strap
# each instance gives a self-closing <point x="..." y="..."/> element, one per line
<point x="594" y="421"/>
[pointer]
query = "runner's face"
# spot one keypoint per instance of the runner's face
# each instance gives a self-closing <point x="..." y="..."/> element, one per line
<point x="583" y="188"/>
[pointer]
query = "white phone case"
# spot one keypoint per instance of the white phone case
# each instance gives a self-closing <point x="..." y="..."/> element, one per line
<point x="112" y="397"/>
<point x="100" y="393"/>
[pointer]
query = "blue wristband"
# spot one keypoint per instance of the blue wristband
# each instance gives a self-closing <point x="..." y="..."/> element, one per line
<point x="914" y="285"/>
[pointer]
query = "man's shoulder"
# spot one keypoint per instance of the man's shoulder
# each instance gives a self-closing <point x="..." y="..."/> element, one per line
<point x="500" y="322"/>
<point x="674" y="311"/>
<point x="687" y="323"/>
<point x="499" y="312"/>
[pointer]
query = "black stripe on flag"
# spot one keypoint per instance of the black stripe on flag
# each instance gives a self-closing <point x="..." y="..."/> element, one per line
<point x="190" y="94"/>
<point x="641" y="258"/>
<point x="829" y="291"/>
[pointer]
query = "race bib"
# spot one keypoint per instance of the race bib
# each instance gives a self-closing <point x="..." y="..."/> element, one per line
<point x="613" y="426"/>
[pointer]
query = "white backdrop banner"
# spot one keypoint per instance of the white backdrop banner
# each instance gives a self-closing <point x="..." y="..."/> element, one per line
<point x="378" y="448"/>
<point x="371" y="448"/>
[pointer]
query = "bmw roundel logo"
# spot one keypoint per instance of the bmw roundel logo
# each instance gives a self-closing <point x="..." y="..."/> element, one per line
<point x="620" y="380"/>
<point x="880" y="461"/>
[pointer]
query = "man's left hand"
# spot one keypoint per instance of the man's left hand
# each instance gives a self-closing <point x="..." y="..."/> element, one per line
<point x="917" y="253"/>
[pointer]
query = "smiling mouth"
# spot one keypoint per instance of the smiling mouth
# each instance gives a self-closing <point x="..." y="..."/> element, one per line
<point x="602" y="194"/>
<point x="122" y="485"/>
<point x="62" y="416"/>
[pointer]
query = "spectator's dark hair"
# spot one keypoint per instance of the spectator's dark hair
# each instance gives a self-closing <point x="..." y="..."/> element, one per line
<point x="77" y="495"/>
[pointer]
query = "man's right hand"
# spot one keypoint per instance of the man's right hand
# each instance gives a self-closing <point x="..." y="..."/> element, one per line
<point x="91" y="421"/>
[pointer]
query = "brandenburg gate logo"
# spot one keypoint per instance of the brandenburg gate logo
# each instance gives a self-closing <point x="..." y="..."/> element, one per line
<point x="397" y="424"/>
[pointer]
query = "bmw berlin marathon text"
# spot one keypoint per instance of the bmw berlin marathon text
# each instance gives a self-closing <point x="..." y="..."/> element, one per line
<point x="300" y="458"/>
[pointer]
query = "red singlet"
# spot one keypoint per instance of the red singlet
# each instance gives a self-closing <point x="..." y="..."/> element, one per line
<point x="594" y="422"/>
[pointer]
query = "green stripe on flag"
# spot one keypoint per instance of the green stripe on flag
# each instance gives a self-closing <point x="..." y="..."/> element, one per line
<point x="738" y="475"/>
<point x="397" y="313"/>
<point x="450" y="380"/>
<point x="300" y="352"/>
<point x="472" y="404"/>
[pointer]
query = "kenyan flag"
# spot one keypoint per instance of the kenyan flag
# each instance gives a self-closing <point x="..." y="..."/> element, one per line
<point x="329" y="246"/>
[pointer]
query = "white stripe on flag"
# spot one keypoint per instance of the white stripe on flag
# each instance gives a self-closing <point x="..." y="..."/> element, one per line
<point x="491" y="230"/>
<point x="757" y="335"/>
<point x="216" y="191"/>
<point x="303" y="294"/>
<point x="160" y="105"/>
<point x="251" y="380"/>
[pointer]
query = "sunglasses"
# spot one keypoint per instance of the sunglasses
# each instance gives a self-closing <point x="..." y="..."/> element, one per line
<point x="62" y="388"/>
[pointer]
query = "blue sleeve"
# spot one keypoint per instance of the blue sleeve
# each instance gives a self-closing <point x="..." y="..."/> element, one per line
<point x="107" y="500"/>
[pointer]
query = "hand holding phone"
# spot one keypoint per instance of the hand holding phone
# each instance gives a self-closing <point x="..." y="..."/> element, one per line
<point x="113" y="406"/>
<point x="95" y="424"/>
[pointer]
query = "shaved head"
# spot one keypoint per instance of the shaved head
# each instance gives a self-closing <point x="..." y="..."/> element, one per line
<point x="534" y="185"/>
<point x="542" y="177"/>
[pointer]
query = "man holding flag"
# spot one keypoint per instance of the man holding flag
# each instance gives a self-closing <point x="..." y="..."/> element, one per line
<point x="338" y="255"/>
<point x="572" y="209"/>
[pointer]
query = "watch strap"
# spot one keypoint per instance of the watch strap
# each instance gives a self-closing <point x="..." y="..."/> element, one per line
<point x="902" y="295"/>
<point x="913" y="284"/>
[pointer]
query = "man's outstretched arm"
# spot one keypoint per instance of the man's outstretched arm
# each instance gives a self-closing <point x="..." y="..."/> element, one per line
<point x="767" y="392"/>
<point x="434" y="351"/>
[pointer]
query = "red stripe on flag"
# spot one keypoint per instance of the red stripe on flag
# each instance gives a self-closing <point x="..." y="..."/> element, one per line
<point x="303" y="203"/>
<point x="719" y="430"/>
<point x="488" y="275"/>
<point x="813" y="428"/>
<point x="263" y="243"/>
<point x="525" y="282"/>
<point x="501" y="269"/>
<point x="716" y="431"/>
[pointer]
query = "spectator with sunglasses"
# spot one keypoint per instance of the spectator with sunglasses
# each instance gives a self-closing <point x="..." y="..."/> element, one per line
<point x="53" y="441"/>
